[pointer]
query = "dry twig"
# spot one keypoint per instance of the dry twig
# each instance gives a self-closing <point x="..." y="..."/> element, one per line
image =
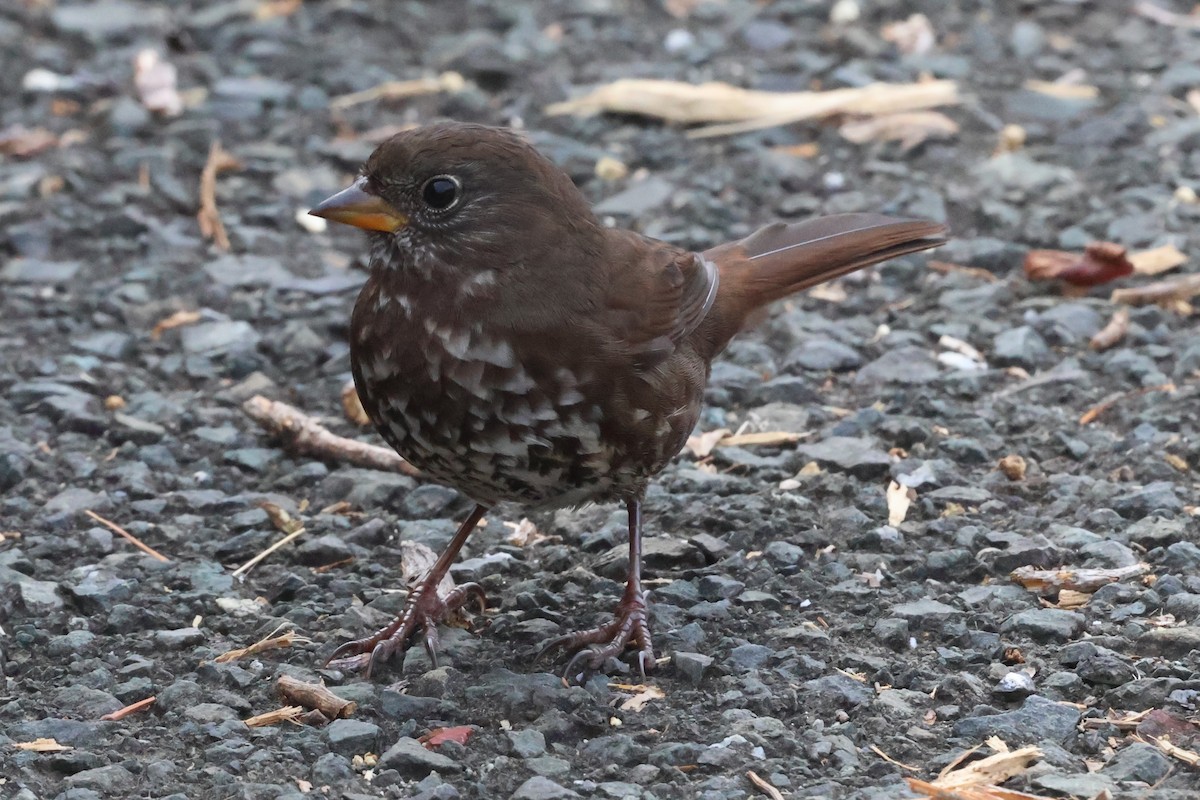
<point x="272" y="641"/>
<point x="1093" y="413"/>
<point x="946" y="267"/>
<point x="352" y="405"/>
<point x="764" y="785"/>
<point x="398" y="90"/>
<point x="211" y="227"/>
<point x="176" y="320"/>
<point x="132" y="708"/>
<point x="314" y="696"/>
<point x="738" y="110"/>
<point x="1051" y="581"/>
<point x="304" y="435"/>
<point x="117" y="529"/>
<point x="1113" y="332"/>
<point x="1167" y="293"/>
<point x="877" y="751"/>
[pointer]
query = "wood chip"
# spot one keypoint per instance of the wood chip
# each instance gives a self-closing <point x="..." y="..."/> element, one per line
<point x="899" y="499"/>
<point x="1112" y="333"/>
<point x="154" y="79"/>
<point x="738" y="110"/>
<point x="42" y="745"/>
<point x="285" y="714"/>
<point x="913" y="36"/>
<point x="304" y="435"/>
<point x="1052" y="581"/>
<point x="702" y="445"/>
<point x="1063" y="90"/>
<point x="992" y="770"/>
<point x="211" y="227"/>
<point x="1158" y="260"/>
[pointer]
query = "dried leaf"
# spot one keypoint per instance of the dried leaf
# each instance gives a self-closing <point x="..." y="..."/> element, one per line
<point x="280" y="518"/>
<point x="910" y="128"/>
<point x="1013" y="467"/>
<point x="642" y="698"/>
<point x="702" y="445"/>
<point x="899" y="498"/>
<point x="439" y="736"/>
<point x="1160" y="259"/>
<point x="829" y="292"/>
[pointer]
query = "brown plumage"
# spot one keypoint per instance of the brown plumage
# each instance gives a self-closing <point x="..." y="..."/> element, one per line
<point x="511" y="346"/>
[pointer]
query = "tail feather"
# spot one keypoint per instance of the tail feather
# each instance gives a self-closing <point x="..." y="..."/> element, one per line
<point x="782" y="259"/>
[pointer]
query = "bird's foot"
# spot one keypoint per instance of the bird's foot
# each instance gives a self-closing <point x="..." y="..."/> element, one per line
<point x="423" y="610"/>
<point x="592" y="648"/>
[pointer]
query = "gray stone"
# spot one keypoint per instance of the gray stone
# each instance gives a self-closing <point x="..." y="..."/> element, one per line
<point x="639" y="198"/>
<point x="216" y="338"/>
<point x="1021" y="347"/>
<point x="1138" y="762"/>
<point x="410" y="757"/>
<point x="860" y="457"/>
<point x="822" y="354"/>
<point x="351" y="736"/>
<point x="692" y="666"/>
<point x="1037" y="719"/>
<point x="527" y="743"/>
<point x="540" y="787"/>
<point x="1170" y="642"/>
<point x="1046" y="624"/>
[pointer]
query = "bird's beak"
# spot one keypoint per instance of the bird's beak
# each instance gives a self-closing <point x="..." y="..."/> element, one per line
<point x="355" y="206"/>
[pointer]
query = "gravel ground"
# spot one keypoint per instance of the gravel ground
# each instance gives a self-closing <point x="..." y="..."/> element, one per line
<point x="807" y="636"/>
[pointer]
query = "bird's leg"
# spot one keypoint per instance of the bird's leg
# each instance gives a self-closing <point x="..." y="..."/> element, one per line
<point x="630" y="626"/>
<point x="423" y="610"/>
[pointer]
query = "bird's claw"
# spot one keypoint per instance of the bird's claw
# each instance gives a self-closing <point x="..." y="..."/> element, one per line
<point x="423" y="610"/>
<point x="593" y="647"/>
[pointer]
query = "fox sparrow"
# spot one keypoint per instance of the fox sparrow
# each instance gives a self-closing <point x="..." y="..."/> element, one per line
<point x="511" y="346"/>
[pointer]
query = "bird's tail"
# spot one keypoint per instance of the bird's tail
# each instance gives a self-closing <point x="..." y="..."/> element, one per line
<point x="782" y="259"/>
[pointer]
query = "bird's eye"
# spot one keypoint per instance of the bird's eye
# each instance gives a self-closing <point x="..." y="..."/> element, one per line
<point x="441" y="192"/>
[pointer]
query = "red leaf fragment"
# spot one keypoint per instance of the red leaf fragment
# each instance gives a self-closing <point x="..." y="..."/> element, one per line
<point x="439" y="736"/>
<point x="1100" y="263"/>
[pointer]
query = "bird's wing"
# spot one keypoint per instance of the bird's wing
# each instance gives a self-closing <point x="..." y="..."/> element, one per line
<point x="659" y="294"/>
